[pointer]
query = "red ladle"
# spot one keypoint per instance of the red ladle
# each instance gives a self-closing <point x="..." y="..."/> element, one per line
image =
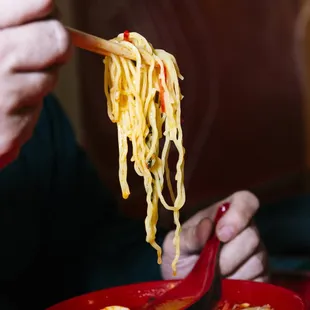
<point x="201" y="289"/>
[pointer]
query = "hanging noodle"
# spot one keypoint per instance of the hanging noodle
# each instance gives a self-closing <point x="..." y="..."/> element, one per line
<point x="144" y="100"/>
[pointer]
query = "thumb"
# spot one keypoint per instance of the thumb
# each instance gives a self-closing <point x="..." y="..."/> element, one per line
<point x="193" y="238"/>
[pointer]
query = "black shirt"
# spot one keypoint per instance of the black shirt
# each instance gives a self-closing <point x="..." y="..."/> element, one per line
<point x="60" y="231"/>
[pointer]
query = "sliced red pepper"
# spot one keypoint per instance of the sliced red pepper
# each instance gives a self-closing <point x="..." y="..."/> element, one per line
<point x="165" y="72"/>
<point x="126" y="35"/>
<point x="162" y="97"/>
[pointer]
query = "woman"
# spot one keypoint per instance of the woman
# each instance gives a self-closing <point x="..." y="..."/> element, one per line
<point x="61" y="234"/>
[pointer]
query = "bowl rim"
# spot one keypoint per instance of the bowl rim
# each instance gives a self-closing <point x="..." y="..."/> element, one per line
<point x="159" y="283"/>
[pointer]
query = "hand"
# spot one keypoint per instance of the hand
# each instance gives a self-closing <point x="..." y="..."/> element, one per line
<point x="32" y="48"/>
<point x="242" y="256"/>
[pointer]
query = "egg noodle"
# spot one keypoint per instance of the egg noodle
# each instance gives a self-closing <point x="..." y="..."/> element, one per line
<point x="221" y="306"/>
<point x="245" y="306"/>
<point x="144" y="100"/>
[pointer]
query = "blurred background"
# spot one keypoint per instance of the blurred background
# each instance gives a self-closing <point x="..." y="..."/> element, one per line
<point x="246" y="117"/>
<point x="68" y="87"/>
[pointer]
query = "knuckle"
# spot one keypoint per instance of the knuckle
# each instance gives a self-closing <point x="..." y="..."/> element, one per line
<point x="62" y="38"/>
<point x="259" y="263"/>
<point x="247" y="198"/>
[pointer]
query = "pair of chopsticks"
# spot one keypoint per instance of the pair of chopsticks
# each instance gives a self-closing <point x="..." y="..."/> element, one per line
<point x="101" y="46"/>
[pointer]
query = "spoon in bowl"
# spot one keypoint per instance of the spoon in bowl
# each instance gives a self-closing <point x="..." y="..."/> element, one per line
<point x="201" y="289"/>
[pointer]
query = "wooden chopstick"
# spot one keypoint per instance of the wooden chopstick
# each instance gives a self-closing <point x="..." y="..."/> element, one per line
<point x="101" y="46"/>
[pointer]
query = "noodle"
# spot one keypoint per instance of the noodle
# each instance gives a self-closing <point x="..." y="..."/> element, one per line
<point x="222" y="306"/>
<point x="144" y="100"/>
<point x="115" y="308"/>
<point x="245" y="306"/>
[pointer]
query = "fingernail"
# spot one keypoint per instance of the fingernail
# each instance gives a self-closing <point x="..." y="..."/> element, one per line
<point x="225" y="233"/>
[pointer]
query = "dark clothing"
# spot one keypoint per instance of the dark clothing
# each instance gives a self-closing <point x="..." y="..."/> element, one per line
<point x="60" y="231"/>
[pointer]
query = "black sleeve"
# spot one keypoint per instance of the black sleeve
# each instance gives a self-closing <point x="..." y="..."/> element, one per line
<point x="88" y="245"/>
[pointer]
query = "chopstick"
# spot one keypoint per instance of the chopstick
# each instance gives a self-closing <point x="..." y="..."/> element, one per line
<point x="101" y="46"/>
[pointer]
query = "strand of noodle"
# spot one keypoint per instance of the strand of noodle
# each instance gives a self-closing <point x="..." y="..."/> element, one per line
<point x="107" y="82"/>
<point x="123" y="162"/>
<point x="106" y="89"/>
<point x="144" y="85"/>
<point x="114" y="91"/>
<point x="176" y="240"/>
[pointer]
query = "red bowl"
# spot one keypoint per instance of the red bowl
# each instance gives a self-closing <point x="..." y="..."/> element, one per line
<point x="136" y="295"/>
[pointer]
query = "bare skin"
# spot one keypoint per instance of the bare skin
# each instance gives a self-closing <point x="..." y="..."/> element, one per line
<point x="243" y="255"/>
<point x="31" y="50"/>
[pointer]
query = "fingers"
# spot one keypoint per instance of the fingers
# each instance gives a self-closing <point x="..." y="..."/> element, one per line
<point x="192" y="239"/>
<point x="243" y="206"/>
<point x="238" y="250"/>
<point x="24" y="90"/>
<point x="21" y="101"/>
<point x="16" y="130"/>
<point x="17" y="12"/>
<point x="36" y="86"/>
<point x="253" y="269"/>
<point x="34" y="46"/>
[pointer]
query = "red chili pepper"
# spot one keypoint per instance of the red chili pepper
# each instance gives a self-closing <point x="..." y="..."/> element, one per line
<point x="165" y="70"/>
<point x="126" y="35"/>
<point x="162" y="97"/>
